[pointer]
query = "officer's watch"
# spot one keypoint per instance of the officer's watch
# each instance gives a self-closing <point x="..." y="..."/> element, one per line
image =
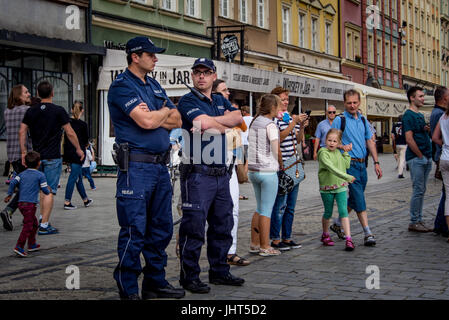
<point x="376" y="162"/>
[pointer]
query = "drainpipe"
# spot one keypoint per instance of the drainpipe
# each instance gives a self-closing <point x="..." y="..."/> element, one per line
<point x="213" y="29"/>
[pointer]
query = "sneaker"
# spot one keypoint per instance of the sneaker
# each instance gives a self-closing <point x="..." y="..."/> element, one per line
<point x="349" y="245"/>
<point x="20" y="251"/>
<point x="292" y="244"/>
<point x="326" y="240"/>
<point x="34" y="247"/>
<point x="337" y="229"/>
<point x="88" y="202"/>
<point x="417" y="227"/>
<point x="401" y="176"/>
<point x="281" y="246"/>
<point x="69" y="206"/>
<point x="48" y="230"/>
<point x="93" y="189"/>
<point x="369" y="241"/>
<point x="7" y="221"/>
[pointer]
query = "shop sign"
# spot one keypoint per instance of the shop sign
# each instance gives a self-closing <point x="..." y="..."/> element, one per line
<point x="230" y="47"/>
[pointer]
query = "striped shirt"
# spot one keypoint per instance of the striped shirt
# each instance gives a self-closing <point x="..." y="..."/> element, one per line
<point x="13" y="119"/>
<point x="287" y="148"/>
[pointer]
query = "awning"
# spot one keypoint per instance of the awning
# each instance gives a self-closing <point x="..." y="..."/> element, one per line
<point x="169" y="71"/>
<point x="377" y="102"/>
<point x="24" y="40"/>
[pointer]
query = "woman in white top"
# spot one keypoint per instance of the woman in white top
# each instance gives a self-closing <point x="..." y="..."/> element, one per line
<point x="441" y="137"/>
<point x="264" y="160"/>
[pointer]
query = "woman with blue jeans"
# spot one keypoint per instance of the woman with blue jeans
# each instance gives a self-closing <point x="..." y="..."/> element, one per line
<point x="263" y="163"/>
<point x="291" y="131"/>
<point x="70" y="156"/>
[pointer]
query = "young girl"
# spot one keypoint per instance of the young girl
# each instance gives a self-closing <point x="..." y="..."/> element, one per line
<point x="333" y="180"/>
<point x="264" y="159"/>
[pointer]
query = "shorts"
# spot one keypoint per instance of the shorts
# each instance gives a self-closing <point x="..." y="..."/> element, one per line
<point x="52" y="169"/>
<point x="356" y="199"/>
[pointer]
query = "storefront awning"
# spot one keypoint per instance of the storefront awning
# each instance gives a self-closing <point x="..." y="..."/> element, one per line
<point x="377" y="102"/>
<point x="169" y="71"/>
<point x="24" y="40"/>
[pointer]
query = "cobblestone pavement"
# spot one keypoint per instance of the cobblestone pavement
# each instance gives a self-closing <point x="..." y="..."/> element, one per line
<point x="411" y="265"/>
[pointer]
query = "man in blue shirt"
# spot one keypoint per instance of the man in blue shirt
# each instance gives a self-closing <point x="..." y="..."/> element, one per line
<point x="142" y="116"/>
<point x="358" y="135"/>
<point x="322" y="129"/>
<point x="205" y="181"/>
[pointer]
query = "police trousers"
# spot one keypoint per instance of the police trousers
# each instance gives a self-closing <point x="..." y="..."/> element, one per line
<point x="144" y="196"/>
<point x="205" y="198"/>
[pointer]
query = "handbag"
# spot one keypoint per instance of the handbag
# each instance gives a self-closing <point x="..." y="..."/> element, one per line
<point x="293" y="169"/>
<point x="93" y="166"/>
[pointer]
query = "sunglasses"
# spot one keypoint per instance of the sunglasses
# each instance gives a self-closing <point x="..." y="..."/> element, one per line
<point x="205" y="73"/>
<point x="332" y="112"/>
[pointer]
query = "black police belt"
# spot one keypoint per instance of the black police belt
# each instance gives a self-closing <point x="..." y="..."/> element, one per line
<point x="163" y="158"/>
<point x="210" y="171"/>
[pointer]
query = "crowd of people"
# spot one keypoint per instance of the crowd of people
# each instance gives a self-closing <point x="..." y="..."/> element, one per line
<point x="35" y="128"/>
<point x="222" y="146"/>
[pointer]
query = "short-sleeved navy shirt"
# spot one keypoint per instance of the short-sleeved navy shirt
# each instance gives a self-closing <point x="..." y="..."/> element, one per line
<point x="203" y="147"/>
<point x="125" y="93"/>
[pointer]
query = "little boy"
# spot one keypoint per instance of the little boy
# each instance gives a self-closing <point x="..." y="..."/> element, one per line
<point x="29" y="183"/>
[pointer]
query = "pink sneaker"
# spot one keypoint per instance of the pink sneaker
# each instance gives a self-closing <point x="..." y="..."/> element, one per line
<point x="326" y="240"/>
<point x="349" y="245"/>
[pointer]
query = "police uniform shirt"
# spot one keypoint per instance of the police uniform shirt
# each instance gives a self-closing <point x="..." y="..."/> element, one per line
<point x="125" y="93"/>
<point x="190" y="107"/>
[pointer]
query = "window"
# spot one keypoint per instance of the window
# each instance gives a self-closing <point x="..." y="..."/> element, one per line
<point x="411" y="55"/>
<point x="370" y="49"/>
<point x="328" y="35"/>
<point x="379" y="52"/>
<point x="349" y="49"/>
<point x="243" y="4"/>
<point x="395" y="57"/>
<point x="169" y="5"/>
<point x="302" y="29"/>
<point x="285" y="24"/>
<point x="386" y="7"/>
<point x="423" y="65"/>
<point x="387" y="55"/>
<point x="261" y="13"/>
<point x="410" y="15"/>
<point x="192" y="8"/>
<point x="315" y="34"/>
<point x="224" y="8"/>
<point x="147" y="2"/>
<point x="417" y="59"/>
<point x="394" y="9"/>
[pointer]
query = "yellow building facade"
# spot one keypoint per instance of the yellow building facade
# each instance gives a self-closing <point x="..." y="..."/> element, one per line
<point x="308" y="38"/>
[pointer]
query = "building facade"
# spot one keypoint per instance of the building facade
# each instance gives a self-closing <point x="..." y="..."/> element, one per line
<point x="351" y="49"/>
<point x="382" y="44"/>
<point x="421" y="54"/>
<point x="59" y="50"/>
<point x="444" y="41"/>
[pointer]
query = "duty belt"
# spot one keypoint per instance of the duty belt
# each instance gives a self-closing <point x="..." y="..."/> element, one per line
<point x="358" y="160"/>
<point x="150" y="158"/>
<point x="210" y="171"/>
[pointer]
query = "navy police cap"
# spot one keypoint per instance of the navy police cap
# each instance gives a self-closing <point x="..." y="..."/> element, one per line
<point x="139" y="44"/>
<point x="204" y="62"/>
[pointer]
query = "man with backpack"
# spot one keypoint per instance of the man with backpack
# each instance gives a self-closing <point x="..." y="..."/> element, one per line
<point x="357" y="133"/>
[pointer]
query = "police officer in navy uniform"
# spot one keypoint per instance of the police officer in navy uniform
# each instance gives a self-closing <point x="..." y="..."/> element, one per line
<point x="142" y="116"/>
<point x="205" y="181"/>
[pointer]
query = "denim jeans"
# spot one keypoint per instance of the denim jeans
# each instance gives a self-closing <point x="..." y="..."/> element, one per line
<point x="419" y="172"/>
<point x="75" y="178"/>
<point x="283" y="214"/>
<point x="52" y="169"/>
<point x="86" y="173"/>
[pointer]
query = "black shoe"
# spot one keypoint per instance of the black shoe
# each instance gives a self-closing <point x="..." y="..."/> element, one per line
<point x="196" y="286"/>
<point x="7" y="221"/>
<point x="292" y="244"/>
<point x="281" y="246"/>
<point x="401" y="176"/>
<point x="168" y="292"/>
<point x="88" y="202"/>
<point x="369" y="241"/>
<point x="228" y="280"/>
<point x="134" y="296"/>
